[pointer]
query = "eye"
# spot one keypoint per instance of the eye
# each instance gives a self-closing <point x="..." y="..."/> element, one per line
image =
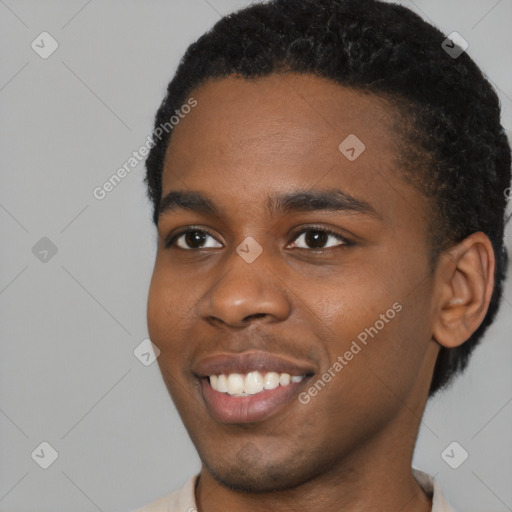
<point x="193" y="238"/>
<point x="318" y="237"/>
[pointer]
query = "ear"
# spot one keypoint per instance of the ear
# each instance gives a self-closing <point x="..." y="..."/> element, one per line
<point x="465" y="282"/>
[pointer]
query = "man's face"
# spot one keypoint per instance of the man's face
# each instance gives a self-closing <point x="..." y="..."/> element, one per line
<point x="261" y="288"/>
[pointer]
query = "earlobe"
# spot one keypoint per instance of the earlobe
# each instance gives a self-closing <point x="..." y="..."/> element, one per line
<point x="465" y="280"/>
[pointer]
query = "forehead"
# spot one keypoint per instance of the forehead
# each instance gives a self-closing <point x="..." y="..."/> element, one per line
<point x="284" y="132"/>
<point x="304" y="113"/>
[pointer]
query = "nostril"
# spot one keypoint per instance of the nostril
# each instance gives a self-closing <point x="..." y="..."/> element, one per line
<point x="257" y="315"/>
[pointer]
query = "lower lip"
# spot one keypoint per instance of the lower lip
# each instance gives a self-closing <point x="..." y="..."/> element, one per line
<point x="248" y="409"/>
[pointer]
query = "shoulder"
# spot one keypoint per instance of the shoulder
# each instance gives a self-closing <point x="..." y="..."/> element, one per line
<point x="181" y="500"/>
<point x="433" y="489"/>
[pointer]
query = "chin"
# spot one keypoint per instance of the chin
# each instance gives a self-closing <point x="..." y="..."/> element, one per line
<point x="246" y="481"/>
<point x="250" y="474"/>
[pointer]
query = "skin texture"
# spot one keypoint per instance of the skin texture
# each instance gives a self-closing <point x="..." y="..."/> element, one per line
<point x="350" y="448"/>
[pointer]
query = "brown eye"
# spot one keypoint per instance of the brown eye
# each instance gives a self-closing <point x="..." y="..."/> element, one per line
<point x="317" y="238"/>
<point x="190" y="239"/>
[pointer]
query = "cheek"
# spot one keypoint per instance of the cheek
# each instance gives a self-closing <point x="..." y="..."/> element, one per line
<point x="165" y="308"/>
<point x="373" y="321"/>
<point x="165" y="325"/>
<point x="157" y="307"/>
<point x="394" y="347"/>
<point x="171" y="310"/>
<point x="350" y="302"/>
<point x="169" y="298"/>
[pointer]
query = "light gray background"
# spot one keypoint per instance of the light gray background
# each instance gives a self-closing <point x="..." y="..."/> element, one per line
<point x="69" y="326"/>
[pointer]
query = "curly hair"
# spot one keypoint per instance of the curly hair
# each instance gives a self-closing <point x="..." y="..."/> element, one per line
<point x="453" y="148"/>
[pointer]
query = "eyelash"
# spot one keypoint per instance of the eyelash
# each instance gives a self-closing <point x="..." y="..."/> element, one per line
<point x="345" y="242"/>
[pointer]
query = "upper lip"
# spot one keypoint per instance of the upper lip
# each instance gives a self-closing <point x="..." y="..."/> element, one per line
<point x="250" y="361"/>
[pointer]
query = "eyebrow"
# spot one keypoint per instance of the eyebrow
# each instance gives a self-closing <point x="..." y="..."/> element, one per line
<point x="298" y="201"/>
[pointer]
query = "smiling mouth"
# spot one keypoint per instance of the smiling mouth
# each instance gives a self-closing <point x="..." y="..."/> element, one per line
<point x="250" y="387"/>
<point x="252" y="383"/>
<point x="269" y="393"/>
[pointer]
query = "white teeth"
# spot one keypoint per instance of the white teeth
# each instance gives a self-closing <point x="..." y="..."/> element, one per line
<point x="222" y="384"/>
<point x="235" y="384"/>
<point x="253" y="383"/>
<point x="271" y="380"/>
<point x="284" y="379"/>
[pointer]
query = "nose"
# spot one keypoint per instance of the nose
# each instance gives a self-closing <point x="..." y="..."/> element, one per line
<point x="244" y="292"/>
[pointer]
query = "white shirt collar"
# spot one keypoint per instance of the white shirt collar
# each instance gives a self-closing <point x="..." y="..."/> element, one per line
<point x="433" y="489"/>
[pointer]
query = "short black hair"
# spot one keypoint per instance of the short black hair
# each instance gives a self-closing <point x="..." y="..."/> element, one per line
<point x="452" y="145"/>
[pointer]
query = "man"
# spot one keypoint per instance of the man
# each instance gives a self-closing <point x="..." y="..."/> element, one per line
<point x="330" y="207"/>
